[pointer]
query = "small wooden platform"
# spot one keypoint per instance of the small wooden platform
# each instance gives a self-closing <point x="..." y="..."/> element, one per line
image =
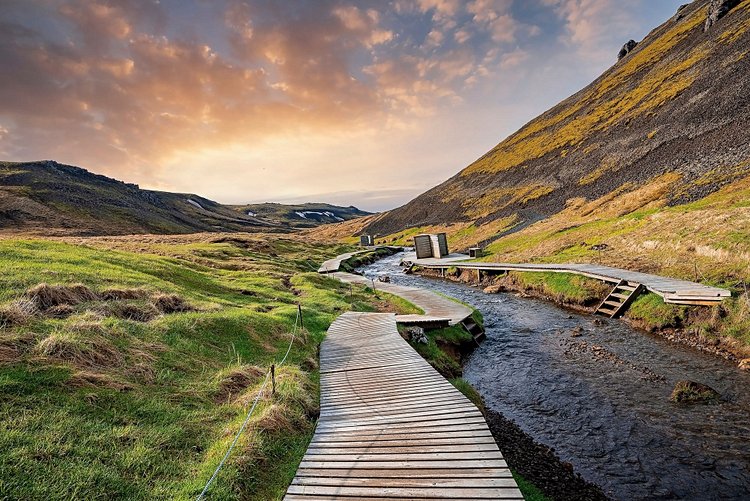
<point x="673" y="290"/>
<point x="392" y="428"/>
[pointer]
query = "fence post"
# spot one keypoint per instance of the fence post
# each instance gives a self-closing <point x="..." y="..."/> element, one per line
<point x="273" y="379"/>
<point x="301" y="322"/>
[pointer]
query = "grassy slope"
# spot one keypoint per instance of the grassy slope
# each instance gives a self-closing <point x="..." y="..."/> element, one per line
<point x="95" y="406"/>
<point x="706" y="240"/>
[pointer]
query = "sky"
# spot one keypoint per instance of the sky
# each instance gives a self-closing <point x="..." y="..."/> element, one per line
<point x="365" y="103"/>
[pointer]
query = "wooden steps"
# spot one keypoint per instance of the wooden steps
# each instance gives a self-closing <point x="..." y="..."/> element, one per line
<point x="391" y="427"/>
<point x="619" y="299"/>
<point x="473" y="328"/>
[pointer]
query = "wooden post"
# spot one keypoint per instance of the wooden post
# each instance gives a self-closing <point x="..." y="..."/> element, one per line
<point x="273" y="379"/>
<point x="479" y="276"/>
<point x="301" y="322"/>
<point x="373" y="285"/>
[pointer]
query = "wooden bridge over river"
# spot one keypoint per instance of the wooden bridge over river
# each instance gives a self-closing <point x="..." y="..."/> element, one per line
<point x="391" y="427"/>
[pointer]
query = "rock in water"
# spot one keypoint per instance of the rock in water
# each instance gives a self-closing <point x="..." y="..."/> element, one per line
<point x="629" y="46"/>
<point x="690" y="392"/>
<point x="718" y="9"/>
<point x="494" y="289"/>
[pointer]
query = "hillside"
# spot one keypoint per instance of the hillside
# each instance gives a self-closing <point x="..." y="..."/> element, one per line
<point x="669" y="119"/>
<point x="307" y="215"/>
<point x="50" y="198"/>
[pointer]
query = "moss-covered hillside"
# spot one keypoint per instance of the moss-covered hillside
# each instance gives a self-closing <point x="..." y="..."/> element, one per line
<point x="674" y="110"/>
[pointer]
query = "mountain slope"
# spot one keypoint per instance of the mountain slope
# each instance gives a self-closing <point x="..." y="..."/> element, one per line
<point x="55" y="199"/>
<point x="308" y="215"/>
<point x="673" y="109"/>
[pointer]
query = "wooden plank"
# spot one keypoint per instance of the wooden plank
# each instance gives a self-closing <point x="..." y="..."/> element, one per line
<point x="409" y="492"/>
<point x="392" y="427"/>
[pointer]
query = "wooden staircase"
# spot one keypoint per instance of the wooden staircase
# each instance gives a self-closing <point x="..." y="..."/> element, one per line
<point x="473" y="328"/>
<point x="618" y="301"/>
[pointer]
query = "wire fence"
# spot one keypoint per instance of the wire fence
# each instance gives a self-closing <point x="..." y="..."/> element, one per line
<point x="269" y="375"/>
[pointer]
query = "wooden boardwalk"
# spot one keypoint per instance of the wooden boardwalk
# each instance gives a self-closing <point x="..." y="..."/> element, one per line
<point x="673" y="290"/>
<point x="435" y="307"/>
<point x="392" y="428"/>
<point x="333" y="265"/>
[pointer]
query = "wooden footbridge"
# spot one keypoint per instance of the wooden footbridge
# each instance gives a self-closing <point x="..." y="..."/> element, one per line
<point x="672" y="290"/>
<point x="392" y="428"/>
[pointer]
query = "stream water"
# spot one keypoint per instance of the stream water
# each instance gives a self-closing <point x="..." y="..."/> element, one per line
<point x="597" y="391"/>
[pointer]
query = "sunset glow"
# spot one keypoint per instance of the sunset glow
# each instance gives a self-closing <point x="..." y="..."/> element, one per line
<point x="362" y="103"/>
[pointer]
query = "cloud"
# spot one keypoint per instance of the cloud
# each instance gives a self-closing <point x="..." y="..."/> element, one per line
<point x="591" y="24"/>
<point x="157" y="93"/>
<point x="495" y="17"/>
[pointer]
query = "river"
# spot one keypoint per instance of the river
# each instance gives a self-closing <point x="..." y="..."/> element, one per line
<point x="597" y="391"/>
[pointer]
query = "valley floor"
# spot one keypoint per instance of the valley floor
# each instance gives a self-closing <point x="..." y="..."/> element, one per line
<point x="127" y="364"/>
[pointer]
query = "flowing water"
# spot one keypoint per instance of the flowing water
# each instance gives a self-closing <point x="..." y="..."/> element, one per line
<point x="597" y="391"/>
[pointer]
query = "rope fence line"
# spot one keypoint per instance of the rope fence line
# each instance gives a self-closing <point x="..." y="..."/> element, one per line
<point x="269" y="373"/>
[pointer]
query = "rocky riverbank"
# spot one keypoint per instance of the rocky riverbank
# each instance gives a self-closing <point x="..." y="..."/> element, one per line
<point x="539" y="464"/>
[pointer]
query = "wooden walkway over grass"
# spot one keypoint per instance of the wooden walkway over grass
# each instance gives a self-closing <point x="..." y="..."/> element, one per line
<point x="436" y="308"/>
<point x="673" y="290"/>
<point x="392" y="428"/>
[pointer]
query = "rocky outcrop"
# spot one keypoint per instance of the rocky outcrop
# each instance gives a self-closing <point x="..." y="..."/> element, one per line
<point x="718" y="9"/>
<point x="626" y="49"/>
<point x="680" y="14"/>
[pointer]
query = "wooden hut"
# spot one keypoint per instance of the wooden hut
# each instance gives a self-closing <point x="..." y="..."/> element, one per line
<point x="431" y="245"/>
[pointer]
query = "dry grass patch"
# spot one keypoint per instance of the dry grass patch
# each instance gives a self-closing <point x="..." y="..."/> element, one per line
<point x="82" y="345"/>
<point x="17" y="313"/>
<point x="48" y="296"/>
<point x="86" y="379"/>
<point x="136" y="311"/>
<point x="232" y="381"/>
<point x="170" y="303"/>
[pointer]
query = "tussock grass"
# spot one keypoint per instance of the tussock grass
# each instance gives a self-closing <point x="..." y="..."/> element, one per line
<point x="17" y="312"/>
<point x="94" y="403"/>
<point x="233" y="380"/>
<point x="82" y="345"/>
<point x="170" y="303"/>
<point x="47" y="296"/>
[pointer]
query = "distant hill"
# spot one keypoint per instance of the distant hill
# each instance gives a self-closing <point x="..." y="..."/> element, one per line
<point x="50" y="198"/>
<point x="672" y="114"/>
<point x="308" y="215"/>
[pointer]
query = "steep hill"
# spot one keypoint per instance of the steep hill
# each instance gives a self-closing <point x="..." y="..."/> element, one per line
<point x="671" y="117"/>
<point x="54" y="199"/>
<point x="307" y="215"/>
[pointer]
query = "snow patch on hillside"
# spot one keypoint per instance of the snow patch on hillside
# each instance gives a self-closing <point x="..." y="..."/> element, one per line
<point x="194" y="203"/>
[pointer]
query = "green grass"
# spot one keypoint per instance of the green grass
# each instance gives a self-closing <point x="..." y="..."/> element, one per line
<point x="653" y="313"/>
<point x="95" y="406"/>
<point x="561" y="287"/>
<point x="443" y="348"/>
<point x="530" y="491"/>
